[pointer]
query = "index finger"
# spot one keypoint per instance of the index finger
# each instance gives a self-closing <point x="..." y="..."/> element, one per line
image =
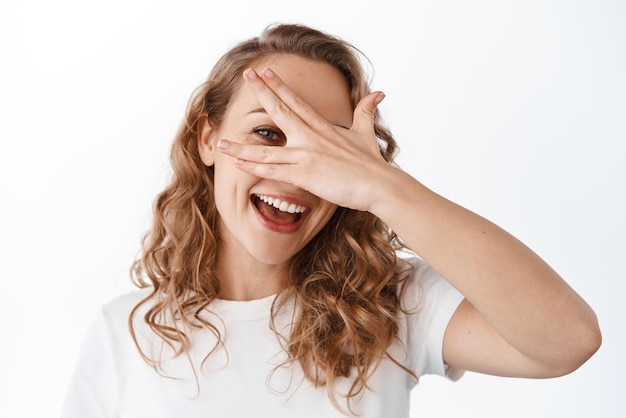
<point x="282" y="104"/>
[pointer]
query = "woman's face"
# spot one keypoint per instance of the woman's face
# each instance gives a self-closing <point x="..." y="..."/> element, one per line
<point x="251" y="228"/>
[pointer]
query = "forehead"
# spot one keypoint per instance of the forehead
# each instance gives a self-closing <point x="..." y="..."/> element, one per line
<point x="318" y="83"/>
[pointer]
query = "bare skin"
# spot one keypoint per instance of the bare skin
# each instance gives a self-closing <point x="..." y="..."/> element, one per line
<point x="519" y="317"/>
<point x="254" y="255"/>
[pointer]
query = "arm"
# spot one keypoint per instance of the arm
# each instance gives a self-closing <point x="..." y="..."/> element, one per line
<point x="519" y="317"/>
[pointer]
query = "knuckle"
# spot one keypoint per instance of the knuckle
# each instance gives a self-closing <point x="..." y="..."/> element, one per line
<point x="307" y="159"/>
<point x="266" y="153"/>
<point x="299" y="101"/>
<point x="368" y="111"/>
<point x="270" y="170"/>
<point x="282" y="108"/>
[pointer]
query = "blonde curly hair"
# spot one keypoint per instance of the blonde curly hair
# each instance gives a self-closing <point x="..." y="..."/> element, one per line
<point x="346" y="282"/>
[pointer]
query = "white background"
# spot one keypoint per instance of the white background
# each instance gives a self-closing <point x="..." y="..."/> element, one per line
<point x="514" y="109"/>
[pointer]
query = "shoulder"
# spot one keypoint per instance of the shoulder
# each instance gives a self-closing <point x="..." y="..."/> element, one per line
<point x="110" y="320"/>
<point x="425" y="287"/>
<point x="123" y="305"/>
<point x="106" y="359"/>
<point x="428" y="302"/>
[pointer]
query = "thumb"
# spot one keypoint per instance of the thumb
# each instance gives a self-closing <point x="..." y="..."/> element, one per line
<point x="363" y="119"/>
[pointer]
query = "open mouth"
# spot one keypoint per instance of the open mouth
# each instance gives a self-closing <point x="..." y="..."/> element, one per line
<point x="278" y="211"/>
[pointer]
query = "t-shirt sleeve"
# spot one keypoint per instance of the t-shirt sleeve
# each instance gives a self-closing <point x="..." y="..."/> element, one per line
<point x="91" y="390"/>
<point x="429" y="301"/>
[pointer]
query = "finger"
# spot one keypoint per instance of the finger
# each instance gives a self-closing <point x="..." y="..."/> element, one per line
<point x="291" y="99"/>
<point x="258" y="153"/>
<point x="283" y="105"/>
<point x="280" y="172"/>
<point x="364" y="112"/>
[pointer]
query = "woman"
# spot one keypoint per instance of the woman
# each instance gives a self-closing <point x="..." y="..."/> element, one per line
<point x="271" y="281"/>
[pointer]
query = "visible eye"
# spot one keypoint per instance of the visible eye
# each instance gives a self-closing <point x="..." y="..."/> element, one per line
<point x="270" y="135"/>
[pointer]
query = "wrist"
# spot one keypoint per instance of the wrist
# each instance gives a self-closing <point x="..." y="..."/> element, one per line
<point x="392" y="192"/>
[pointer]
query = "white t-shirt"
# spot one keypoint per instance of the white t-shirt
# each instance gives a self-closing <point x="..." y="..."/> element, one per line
<point x="112" y="380"/>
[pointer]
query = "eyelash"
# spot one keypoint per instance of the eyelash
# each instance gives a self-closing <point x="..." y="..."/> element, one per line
<point x="273" y="133"/>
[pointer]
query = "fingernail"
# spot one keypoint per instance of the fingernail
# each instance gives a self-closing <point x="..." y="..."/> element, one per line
<point x="381" y="96"/>
<point x="251" y="74"/>
<point x="268" y="73"/>
<point x="223" y="144"/>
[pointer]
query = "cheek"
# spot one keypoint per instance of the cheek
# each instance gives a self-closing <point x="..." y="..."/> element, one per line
<point x="325" y="213"/>
<point x="230" y="183"/>
<point x="225" y="170"/>
<point x="223" y="182"/>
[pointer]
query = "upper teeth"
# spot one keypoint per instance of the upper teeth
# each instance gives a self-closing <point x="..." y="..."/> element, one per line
<point x="281" y="204"/>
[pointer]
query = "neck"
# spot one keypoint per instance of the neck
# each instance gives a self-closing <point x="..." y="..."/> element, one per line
<point x="244" y="278"/>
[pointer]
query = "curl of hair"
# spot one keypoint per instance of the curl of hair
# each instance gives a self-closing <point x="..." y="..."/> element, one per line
<point x="347" y="281"/>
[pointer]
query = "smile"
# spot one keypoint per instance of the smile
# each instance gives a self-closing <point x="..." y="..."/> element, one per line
<point x="278" y="214"/>
<point x="281" y="205"/>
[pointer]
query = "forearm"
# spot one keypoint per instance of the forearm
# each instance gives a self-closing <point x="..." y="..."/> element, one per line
<point x="524" y="299"/>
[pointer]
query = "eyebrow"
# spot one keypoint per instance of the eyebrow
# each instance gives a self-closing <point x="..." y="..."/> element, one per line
<point x="257" y="110"/>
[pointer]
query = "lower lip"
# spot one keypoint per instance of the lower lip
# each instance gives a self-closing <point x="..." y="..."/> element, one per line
<point x="273" y="226"/>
